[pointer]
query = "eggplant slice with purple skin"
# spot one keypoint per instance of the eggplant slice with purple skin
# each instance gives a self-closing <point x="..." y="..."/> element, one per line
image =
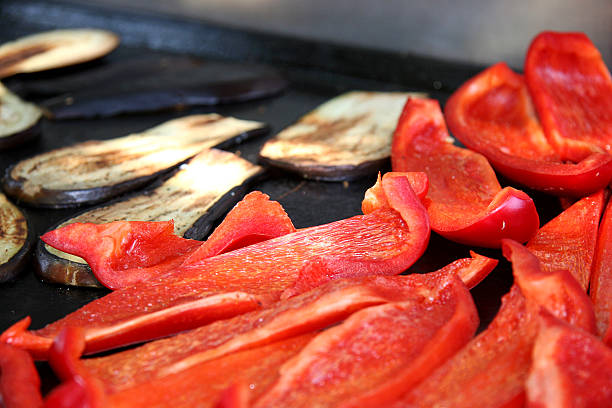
<point x="169" y="82"/>
<point x="19" y="120"/>
<point x="94" y="171"/>
<point x="54" y="49"/>
<point x="15" y="240"/>
<point x="345" y="138"/>
<point x="195" y="197"/>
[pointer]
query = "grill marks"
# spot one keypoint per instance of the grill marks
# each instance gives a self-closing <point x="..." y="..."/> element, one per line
<point x="9" y="62"/>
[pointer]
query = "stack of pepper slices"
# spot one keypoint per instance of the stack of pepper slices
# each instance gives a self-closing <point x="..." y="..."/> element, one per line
<point x="271" y="316"/>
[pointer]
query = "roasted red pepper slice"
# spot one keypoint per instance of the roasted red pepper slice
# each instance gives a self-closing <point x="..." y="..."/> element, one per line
<point x="601" y="278"/>
<point x="492" y="368"/>
<point x="384" y="242"/>
<point x="123" y="253"/>
<point x="465" y="202"/>
<point x="19" y="380"/>
<point x="380" y="350"/>
<point x="568" y="241"/>
<point x="572" y="91"/>
<point x="571" y="368"/>
<point x="492" y="114"/>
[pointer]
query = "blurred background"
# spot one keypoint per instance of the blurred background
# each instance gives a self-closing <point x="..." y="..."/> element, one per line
<point x="475" y="31"/>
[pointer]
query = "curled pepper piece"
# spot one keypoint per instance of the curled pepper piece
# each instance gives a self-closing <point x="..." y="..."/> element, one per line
<point x="601" y="278"/>
<point x="568" y="241"/>
<point x="136" y="251"/>
<point x="465" y="202"/>
<point x="492" y="114"/>
<point x="19" y="380"/>
<point x="493" y="367"/>
<point x="121" y="252"/>
<point x="571" y="368"/>
<point x="572" y="91"/>
<point x="380" y="350"/>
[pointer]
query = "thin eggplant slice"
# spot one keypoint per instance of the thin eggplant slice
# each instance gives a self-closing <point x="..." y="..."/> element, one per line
<point x="343" y="139"/>
<point x="15" y="240"/>
<point x="94" y="171"/>
<point x="54" y="49"/>
<point x="200" y="192"/>
<point x="19" y="120"/>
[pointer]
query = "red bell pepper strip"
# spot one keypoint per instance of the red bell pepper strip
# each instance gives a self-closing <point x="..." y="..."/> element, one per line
<point x="493" y="367"/>
<point x="492" y="114"/>
<point x="380" y="350"/>
<point x="571" y="368"/>
<point x="122" y="253"/>
<point x="568" y="241"/>
<point x="254" y="219"/>
<point x="19" y="380"/>
<point x="235" y="396"/>
<point x="572" y="91"/>
<point x="384" y="242"/>
<point x="601" y="278"/>
<point x="312" y="310"/>
<point x="465" y="202"/>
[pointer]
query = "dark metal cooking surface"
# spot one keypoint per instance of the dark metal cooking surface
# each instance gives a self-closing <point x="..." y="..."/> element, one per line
<point x="314" y="78"/>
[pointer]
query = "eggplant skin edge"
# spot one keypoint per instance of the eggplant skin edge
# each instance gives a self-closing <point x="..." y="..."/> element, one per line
<point x="15" y="265"/>
<point x="21" y="137"/>
<point x="53" y="269"/>
<point x="329" y="172"/>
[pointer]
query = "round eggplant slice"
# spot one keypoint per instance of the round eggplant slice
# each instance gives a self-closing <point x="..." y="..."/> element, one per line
<point x="343" y="139"/>
<point x="200" y="192"/>
<point x="94" y="171"/>
<point x="19" y="120"/>
<point x="54" y="49"/>
<point x="15" y="240"/>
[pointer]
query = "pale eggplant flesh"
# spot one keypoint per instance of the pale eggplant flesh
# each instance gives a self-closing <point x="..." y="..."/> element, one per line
<point x="16" y="240"/>
<point x="345" y="138"/>
<point x="54" y="49"/>
<point x="95" y="171"/>
<point x="195" y="197"/>
<point x="19" y="120"/>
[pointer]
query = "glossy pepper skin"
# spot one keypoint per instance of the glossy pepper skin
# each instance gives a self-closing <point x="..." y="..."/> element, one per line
<point x="568" y="241"/>
<point x="571" y="368"/>
<point x="572" y="91"/>
<point x="19" y="380"/>
<point x="601" y="278"/>
<point x="465" y="202"/>
<point x="493" y="114"/>
<point x="386" y="241"/>
<point x="122" y="253"/>
<point x="493" y="367"/>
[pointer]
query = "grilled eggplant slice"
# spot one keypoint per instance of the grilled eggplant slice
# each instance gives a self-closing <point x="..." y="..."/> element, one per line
<point x="54" y="49"/>
<point x="15" y="240"/>
<point x="194" y="197"/>
<point x="19" y="120"/>
<point x="95" y="171"/>
<point x="343" y="139"/>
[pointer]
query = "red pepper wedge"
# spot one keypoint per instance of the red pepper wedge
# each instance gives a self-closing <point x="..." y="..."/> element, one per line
<point x="492" y="114"/>
<point x="312" y="310"/>
<point x="122" y="253"/>
<point x="571" y="368"/>
<point x="384" y="242"/>
<point x="572" y="91"/>
<point x="568" y="241"/>
<point x="492" y="368"/>
<point x="379" y="350"/>
<point x="601" y="277"/>
<point x="465" y="202"/>
<point x="19" y="380"/>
